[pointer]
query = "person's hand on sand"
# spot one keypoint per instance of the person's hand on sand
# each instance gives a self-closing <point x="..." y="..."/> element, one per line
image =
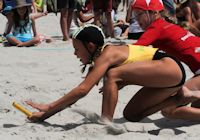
<point x="36" y="117"/>
<point x="40" y="107"/>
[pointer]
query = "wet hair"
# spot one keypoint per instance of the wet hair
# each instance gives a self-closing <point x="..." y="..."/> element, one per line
<point x="90" y="33"/>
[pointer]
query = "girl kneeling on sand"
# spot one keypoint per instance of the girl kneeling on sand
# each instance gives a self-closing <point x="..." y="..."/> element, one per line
<point x="177" y="42"/>
<point x="160" y="74"/>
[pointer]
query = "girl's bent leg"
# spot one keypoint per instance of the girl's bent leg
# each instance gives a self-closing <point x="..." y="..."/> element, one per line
<point x="13" y="41"/>
<point x="155" y="76"/>
<point x="31" y="42"/>
<point x="191" y="92"/>
<point x="187" y="112"/>
<point x="194" y="84"/>
<point x="182" y="112"/>
<point x="147" y="101"/>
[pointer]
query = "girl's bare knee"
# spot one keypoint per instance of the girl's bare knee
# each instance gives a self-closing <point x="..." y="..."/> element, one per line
<point x="132" y="118"/>
<point x="112" y="74"/>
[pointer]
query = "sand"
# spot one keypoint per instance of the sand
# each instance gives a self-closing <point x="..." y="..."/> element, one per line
<point x="47" y="72"/>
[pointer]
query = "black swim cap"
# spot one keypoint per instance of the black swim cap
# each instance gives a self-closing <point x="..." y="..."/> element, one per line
<point x="90" y="33"/>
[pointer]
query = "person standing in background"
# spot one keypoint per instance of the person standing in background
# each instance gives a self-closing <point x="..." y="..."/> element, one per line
<point x="66" y="8"/>
<point x="100" y="7"/>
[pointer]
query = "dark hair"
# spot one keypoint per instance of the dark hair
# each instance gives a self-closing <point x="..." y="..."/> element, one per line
<point x="16" y="18"/>
<point x="90" y="33"/>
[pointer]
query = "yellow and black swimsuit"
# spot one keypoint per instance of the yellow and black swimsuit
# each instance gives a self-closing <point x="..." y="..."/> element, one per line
<point x="140" y="53"/>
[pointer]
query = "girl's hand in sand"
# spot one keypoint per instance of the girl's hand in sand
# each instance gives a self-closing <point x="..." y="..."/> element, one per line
<point x="36" y="117"/>
<point x="40" y="107"/>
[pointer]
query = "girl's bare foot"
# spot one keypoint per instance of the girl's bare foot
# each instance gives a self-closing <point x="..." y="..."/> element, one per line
<point x="186" y="95"/>
<point x="20" y="44"/>
<point x="40" y="107"/>
<point x="66" y="38"/>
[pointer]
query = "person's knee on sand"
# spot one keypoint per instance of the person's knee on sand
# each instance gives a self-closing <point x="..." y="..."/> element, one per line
<point x="132" y="117"/>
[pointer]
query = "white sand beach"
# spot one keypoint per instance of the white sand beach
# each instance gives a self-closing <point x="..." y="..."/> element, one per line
<point x="47" y="72"/>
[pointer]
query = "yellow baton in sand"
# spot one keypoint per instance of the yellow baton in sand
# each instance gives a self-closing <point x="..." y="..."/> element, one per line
<point x="22" y="109"/>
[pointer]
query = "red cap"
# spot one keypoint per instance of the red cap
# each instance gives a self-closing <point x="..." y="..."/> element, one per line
<point x="153" y="5"/>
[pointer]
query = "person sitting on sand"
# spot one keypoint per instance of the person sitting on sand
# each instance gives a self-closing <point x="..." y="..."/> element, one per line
<point x="7" y="12"/>
<point x="23" y="26"/>
<point x="160" y="74"/>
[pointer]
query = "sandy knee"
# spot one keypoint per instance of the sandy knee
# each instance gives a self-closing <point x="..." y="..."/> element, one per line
<point x="131" y="117"/>
<point x="113" y="75"/>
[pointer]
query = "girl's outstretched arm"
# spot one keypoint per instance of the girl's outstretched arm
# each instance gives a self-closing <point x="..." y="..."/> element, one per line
<point x="100" y="68"/>
<point x="38" y="15"/>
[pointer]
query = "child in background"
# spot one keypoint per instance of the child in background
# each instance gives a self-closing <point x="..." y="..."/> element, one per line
<point x="160" y="74"/>
<point x="7" y="12"/>
<point x="134" y="30"/>
<point x="82" y="15"/>
<point x="170" y="10"/>
<point x="100" y="8"/>
<point x="121" y="29"/>
<point x="38" y="6"/>
<point x="23" y="26"/>
<point x="104" y="22"/>
<point x="66" y="8"/>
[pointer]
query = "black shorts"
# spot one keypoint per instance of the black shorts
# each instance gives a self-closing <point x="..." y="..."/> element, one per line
<point x="159" y="55"/>
<point x="135" y="36"/>
<point x="104" y="5"/>
<point x="66" y="4"/>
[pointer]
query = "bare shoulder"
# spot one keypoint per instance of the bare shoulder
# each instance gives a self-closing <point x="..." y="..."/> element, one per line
<point x="115" y="48"/>
<point x="116" y="53"/>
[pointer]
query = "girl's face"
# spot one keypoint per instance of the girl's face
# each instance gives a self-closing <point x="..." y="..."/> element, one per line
<point x="144" y="18"/>
<point x="80" y="51"/>
<point x="22" y="10"/>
